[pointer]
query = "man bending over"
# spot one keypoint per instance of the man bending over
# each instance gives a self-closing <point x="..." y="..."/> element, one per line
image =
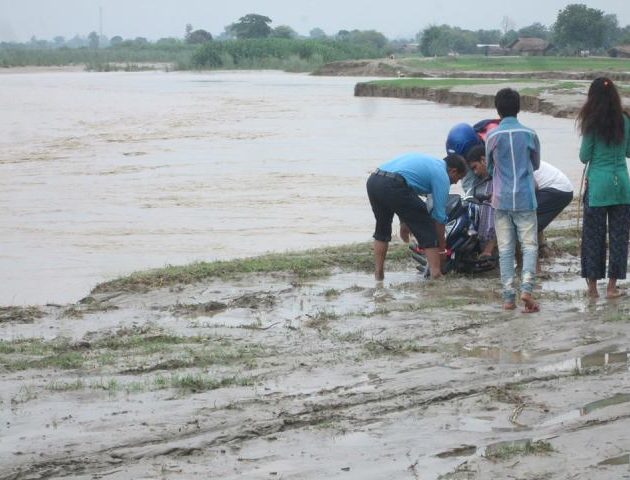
<point x="394" y="188"/>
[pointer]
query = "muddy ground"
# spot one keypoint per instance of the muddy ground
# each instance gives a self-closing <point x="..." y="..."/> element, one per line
<point x="324" y="375"/>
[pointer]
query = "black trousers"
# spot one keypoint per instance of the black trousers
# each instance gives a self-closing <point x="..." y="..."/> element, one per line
<point x="550" y="203"/>
<point x="594" y="240"/>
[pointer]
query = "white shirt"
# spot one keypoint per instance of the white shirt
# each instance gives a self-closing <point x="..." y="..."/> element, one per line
<point x="548" y="176"/>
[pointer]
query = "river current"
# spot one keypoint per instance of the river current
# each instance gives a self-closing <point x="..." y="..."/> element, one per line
<point x="102" y="174"/>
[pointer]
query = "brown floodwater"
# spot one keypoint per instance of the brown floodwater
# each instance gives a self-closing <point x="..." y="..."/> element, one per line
<point x="102" y="174"/>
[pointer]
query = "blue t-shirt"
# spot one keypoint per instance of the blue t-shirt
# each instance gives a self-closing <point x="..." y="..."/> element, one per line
<point x="424" y="175"/>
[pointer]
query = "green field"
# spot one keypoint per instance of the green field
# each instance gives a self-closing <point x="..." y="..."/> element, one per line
<point x="520" y="84"/>
<point x="444" y="82"/>
<point x="479" y="63"/>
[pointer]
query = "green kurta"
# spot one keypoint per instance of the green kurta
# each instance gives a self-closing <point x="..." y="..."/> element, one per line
<point x="608" y="179"/>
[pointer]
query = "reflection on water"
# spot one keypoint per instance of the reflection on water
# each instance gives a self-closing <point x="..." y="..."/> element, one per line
<point x="106" y="173"/>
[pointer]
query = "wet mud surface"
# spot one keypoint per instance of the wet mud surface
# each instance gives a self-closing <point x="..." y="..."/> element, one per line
<point x="273" y="376"/>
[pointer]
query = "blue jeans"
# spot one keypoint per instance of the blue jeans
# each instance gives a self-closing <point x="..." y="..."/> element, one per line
<point x="510" y="226"/>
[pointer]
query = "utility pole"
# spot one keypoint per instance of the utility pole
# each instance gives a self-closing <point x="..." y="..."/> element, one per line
<point x="100" y="22"/>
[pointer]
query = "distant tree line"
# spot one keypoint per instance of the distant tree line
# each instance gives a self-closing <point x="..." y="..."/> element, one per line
<point x="577" y="27"/>
<point x="252" y="41"/>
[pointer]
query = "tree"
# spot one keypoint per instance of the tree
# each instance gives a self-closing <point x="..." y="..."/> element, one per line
<point x="611" y="31"/>
<point x="488" y="36"/>
<point x="93" y="40"/>
<point x="370" y="37"/>
<point x="140" y="42"/>
<point x="537" y="30"/>
<point x="189" y="29"/>
<point x="59" y="41"/>
<point x="115" y="41"/>
<point x="168" y="42"/>
<point x="343" y="35"/>
<point x="317" y="33"/>
<point x="579" y="27"/>
<point x="624" y="35"/>
<point x="252" y="26"/>
<point x="509" y="37"/>
<point x="443" y="39"/>
<point x="198" y="37"/>
<point x="283" y="31"/>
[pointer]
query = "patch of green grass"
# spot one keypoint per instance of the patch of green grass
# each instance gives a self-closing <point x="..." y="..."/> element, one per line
<point x="195" y="383"/>
<point x="60" y="386"/>
<point x="480" y="63"/>
<point x="570" y="246"/>
<point x="437" y="83"/>
<point x="394" y="346"/>
<point x="320" y="319"/>
<point x="331" y="293"/>
<point x="20" y="314"/>
<point x="507" y="450"/>
<point x="121" y="350"/>
<point x="304" y="264"/>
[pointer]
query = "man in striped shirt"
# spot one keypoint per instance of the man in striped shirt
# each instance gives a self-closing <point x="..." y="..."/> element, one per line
<point x="513" y="153"/>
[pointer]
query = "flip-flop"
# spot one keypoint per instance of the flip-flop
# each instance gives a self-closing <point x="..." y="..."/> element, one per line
<point x="531" y="308"/>
<point x="530" y="305"/>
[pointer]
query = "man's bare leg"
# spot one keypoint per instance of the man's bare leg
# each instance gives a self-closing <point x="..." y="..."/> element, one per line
<point x="488" y="248"/>
<point x="592" y="288"/>
<point x="404" y="232"/>
<point x="435" y="264"/>
<point x="380" y="250"/>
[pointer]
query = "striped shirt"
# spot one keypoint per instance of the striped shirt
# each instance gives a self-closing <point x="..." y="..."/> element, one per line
<point x="513" y="153"/>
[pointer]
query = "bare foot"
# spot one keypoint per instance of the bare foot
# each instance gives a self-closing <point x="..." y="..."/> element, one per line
<point x="616" y="293"/>
<point x="530" y="305"/>
<point x="509" y="306"/>
<point x="592" y="288"/>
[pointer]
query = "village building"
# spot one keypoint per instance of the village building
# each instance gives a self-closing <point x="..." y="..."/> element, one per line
<point x="621" y="51"/>
<point x="529" y="46"/>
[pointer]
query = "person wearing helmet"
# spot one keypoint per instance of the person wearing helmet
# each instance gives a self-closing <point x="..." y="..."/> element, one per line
<point x="460" y="140"/>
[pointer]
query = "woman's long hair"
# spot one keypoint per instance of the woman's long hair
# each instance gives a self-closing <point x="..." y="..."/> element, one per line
<point x="602" y="114"/>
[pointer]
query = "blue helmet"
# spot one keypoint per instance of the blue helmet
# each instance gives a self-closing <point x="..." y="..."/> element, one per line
<point x="461" y="138"/>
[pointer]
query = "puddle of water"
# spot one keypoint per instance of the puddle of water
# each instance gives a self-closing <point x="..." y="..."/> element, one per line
<point x="503" y="356"/>
<point x="620" y="460"/>
<point x="587" y="409"/>
<point x="607" y="402"/>
<point x="592" y="360"/>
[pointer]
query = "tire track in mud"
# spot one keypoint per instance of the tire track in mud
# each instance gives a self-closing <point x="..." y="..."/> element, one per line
<point x="179" y="445"/>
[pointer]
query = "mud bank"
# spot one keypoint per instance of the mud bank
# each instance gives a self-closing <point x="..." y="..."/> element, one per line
<point x="394" y="68"/>
<point x="278" y="374"/>
<point x="529" y="103"/>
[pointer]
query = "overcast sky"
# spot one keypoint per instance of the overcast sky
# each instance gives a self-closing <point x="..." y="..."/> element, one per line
<point x="153" y="19"/>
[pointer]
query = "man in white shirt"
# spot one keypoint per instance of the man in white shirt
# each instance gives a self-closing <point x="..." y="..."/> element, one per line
<point x="554" y="192"/>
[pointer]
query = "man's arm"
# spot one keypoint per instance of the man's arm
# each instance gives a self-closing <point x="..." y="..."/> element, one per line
<point x="535" y="153"/>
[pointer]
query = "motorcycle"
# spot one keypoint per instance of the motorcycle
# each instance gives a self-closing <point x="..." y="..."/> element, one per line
<point x="463" y="246"/>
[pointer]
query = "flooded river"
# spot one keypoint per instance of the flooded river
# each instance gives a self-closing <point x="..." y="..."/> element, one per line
<point x="102" y="174"/>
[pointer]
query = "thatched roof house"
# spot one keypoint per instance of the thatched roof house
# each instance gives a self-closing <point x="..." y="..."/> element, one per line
<point x="622" y="51"/>
<point x="529" y="46"/>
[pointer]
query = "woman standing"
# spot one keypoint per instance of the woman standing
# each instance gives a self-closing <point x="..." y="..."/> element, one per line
<point x="605" y="130"/>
